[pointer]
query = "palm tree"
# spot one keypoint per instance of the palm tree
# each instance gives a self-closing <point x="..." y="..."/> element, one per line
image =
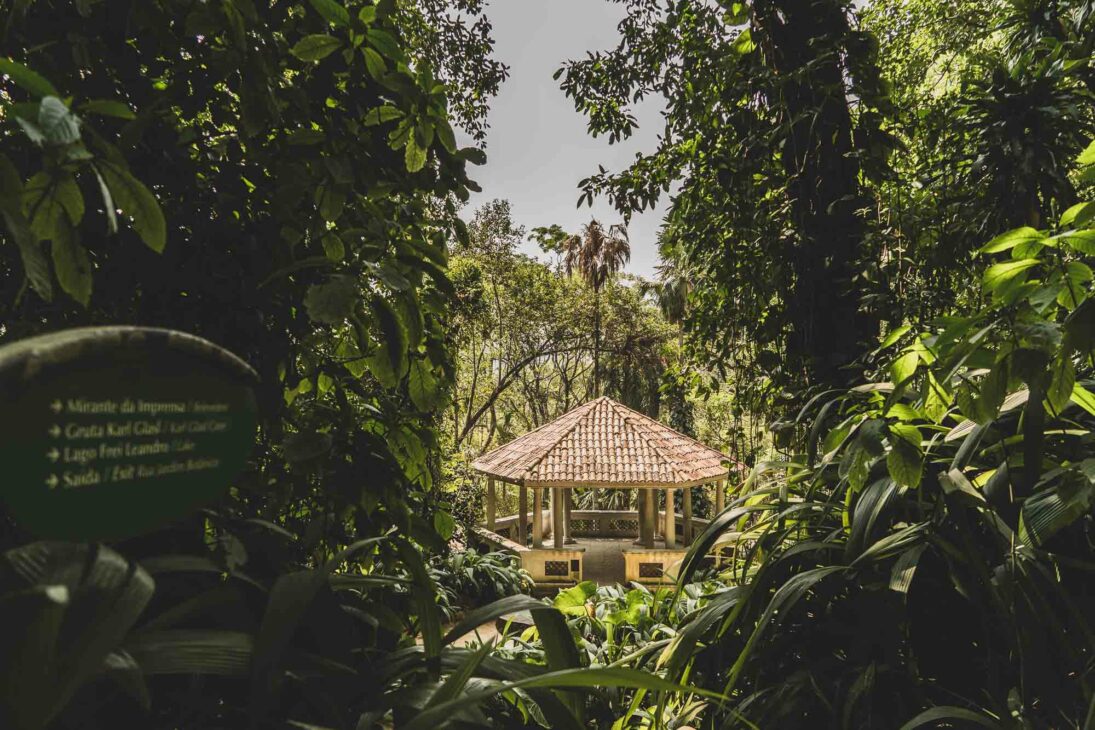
<point x="596" y="255"/>
<point x="670" y="291"/>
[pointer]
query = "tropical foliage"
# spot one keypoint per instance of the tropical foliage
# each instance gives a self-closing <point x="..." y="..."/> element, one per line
<point x="875" y="290"/>
<point x="471" y="578"/>
<point x="282" y="179"/>
<point x="923" y="554"/>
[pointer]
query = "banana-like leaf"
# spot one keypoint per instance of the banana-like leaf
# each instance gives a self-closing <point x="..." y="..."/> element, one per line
<point x="450" y="689"/>
<point x="577" y="679"/>
<point x="124" y="671"/>
<point x="869" y="511"/>
<point x="106" y="595"/>
<point x="948" y="712"/>
<point x="290" y="599"/>
<point x="1052" y="509"/>
<point x="784" y="599"/>
<point x="28" y="653"/>
<point x="429" y="616"/>
<point x="192" y="651"/>
<point x="904" y="569"/>
<point x="490" y="612"/>
<point x="679" y="652"/>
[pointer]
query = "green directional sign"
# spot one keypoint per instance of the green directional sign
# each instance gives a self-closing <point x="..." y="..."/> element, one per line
<point x="107" y="432"/>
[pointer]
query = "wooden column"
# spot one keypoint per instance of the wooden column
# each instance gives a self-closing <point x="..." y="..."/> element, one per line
<point x="720" y="496"/>
<point x="490" y="504"/>
<point x="550" y="532"/>
<point x="537" y="517"/>
<point x="670" y="521"/>
<point x="568" y="496"/>
<point x="659" y="523"/>
<point x="640" y="507"/>
<point x="647" y="529"/>
<point x="559" y="515"/>
<point x="686" y="530"/>
<point x="522" y="515"/>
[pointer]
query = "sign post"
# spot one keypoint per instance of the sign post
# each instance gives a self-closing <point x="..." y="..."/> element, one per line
<point x="107" y="432"/>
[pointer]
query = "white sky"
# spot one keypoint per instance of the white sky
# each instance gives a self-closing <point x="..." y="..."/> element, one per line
<point x="537" y="146"/>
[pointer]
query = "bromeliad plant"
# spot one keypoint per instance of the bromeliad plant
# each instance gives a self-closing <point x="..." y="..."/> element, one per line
<point x="926" y="552"/>
<point x="477" y="579"/>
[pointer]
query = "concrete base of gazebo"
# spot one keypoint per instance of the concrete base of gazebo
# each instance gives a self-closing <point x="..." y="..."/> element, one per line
<point x="604" y="550"/>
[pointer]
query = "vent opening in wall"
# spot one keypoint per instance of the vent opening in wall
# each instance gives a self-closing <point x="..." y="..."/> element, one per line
<point x="650" y="570"/>
<point x="556" y="567"/>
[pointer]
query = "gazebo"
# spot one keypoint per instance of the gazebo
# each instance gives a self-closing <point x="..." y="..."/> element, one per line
<point x="603" y="445"/>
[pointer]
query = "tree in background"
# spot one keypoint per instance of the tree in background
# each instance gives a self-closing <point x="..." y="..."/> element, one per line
<point x="281" y="179"/>
<point x="596" y="255"/>
<point x="809" y="235"/>
<point x="772" y="130"/>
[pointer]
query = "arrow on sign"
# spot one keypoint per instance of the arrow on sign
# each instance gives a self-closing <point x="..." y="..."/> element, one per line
<point x="52" y="454"/>
<point x="51" y="481"/>
<point x="56" y="406"/>
<point x="55" y="430"/>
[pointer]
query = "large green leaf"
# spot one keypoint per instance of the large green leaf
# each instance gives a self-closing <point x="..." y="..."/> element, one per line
<point x="904" y="569"/>
<point x="108" y="108"/>
<point x="451" y="688"/>
<point x="999" y="275"/>
<point x="1087" y="157"/>
<point x="290" y="598"/>
<point x="423" y="385"/>
<point x="31" y="81"/>
<point x="59" y="125"/>
<point x="572" y="601"/>
<point x="315" y="47"/>
<point x="1082" y="241"/>
<point x="35" y="262"/>
<point x="388" y="361"/>
<point x="951" y="714"/>
<point x="578" y="679"/>
<point x="904" y="366"/>
<point x="47" y="198"/>
<point x="106" y="594"/>
<point x="1084" y="398"/>
<point x="374" y="64"/>
<point x="71" y="263"/>
<point x="777" y="609"/>
<point x="1055" y="507"/>
<point x="28" y="653"/>
<point x="192" y="651"/>
<point x="138" y="202"/>
<point x="490" y="612"/>
<point x="415" y="155"/>
<point x="424" y="589"/>
<point x="333" y="301"/>
<point x="332" y="12"/>
<point x="1013" y="238"/>
<point x="1078" y="215"/>
<point x="385" y="43"/>
<point x="871" y="507"/>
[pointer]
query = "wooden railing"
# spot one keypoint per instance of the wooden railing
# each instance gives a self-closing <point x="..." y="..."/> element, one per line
<point x="597" y="523"/>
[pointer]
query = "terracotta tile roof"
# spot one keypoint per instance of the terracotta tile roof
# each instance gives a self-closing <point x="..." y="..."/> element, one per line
<point x="603" y="443"/>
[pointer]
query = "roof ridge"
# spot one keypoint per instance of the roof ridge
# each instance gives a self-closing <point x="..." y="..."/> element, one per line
<point x="592" y="406"/>
<point x="646" y="439"/>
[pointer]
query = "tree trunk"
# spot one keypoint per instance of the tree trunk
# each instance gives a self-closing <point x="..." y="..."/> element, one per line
<point x="597" y="342"/>
<point x="803" y="45"/>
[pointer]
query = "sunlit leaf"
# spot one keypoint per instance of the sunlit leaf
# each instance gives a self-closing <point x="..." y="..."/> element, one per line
<point x="315" y="47"/>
